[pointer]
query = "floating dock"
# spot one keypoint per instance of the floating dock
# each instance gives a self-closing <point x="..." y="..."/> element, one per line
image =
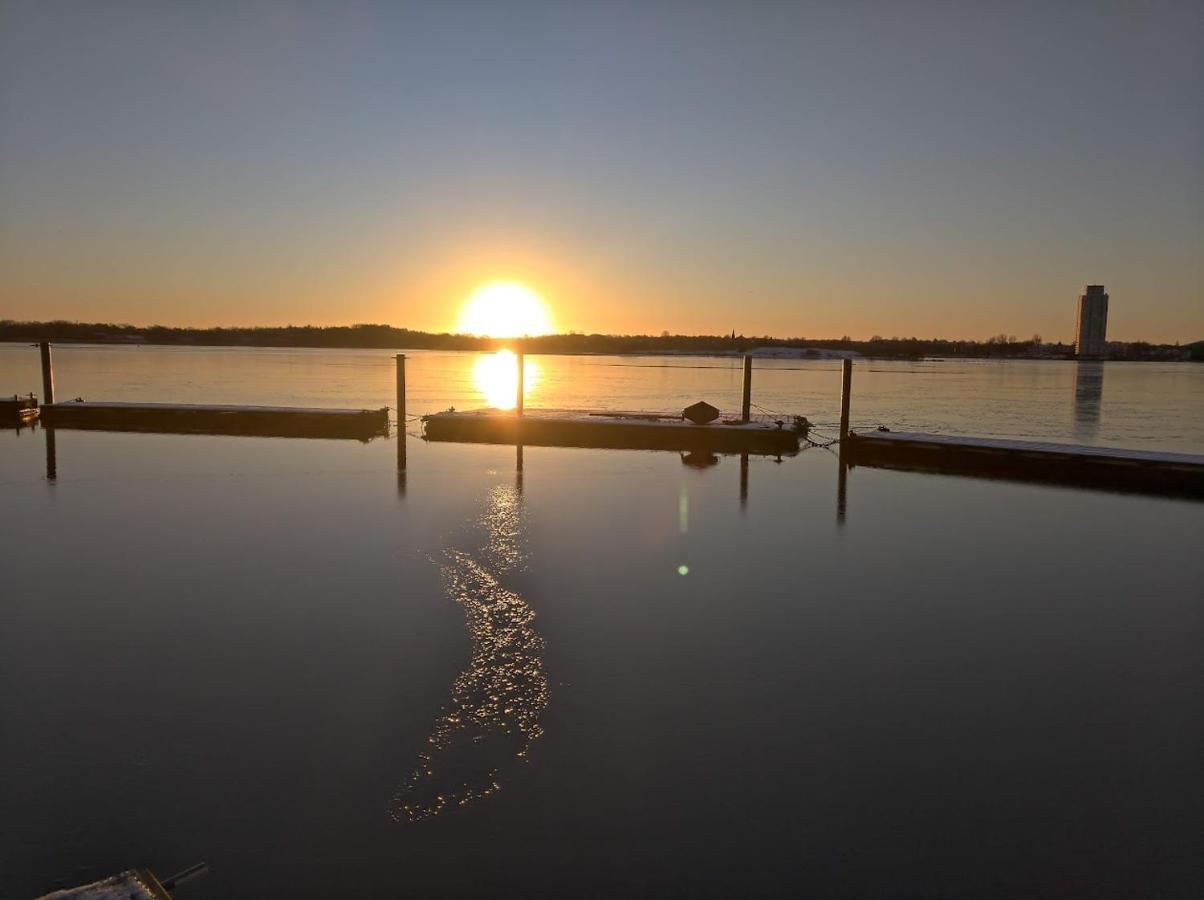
<point x="136" y="884"/>
<point x="618" y="430"/>
<point x="15" y="410"/>
<point x="257" y="421"/>
<point x="133" y="884"/>
<point x="1124" y="470"/>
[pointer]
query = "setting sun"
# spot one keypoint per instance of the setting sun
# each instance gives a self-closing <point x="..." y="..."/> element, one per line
<point x="504" y="309"/>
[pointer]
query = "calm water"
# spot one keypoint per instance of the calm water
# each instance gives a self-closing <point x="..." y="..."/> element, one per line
<point x="276" y="656"/>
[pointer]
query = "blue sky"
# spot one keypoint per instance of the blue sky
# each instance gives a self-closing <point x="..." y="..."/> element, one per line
<point x="944" y="169"/>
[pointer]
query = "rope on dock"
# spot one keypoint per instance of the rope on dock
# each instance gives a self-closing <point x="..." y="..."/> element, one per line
<point x="825" y="441"/>
<point x="822" y="444"/>
<point x="727" y="368"/>
<point x="774" y="412"/>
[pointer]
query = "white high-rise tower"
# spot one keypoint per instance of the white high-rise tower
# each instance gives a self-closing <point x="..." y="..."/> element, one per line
<point x="1091" y="331"/>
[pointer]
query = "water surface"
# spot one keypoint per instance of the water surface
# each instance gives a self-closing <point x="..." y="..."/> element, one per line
<point x="326" y="680"/>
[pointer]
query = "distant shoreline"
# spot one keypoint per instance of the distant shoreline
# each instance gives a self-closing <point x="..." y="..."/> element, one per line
<point x="384" y="337"/>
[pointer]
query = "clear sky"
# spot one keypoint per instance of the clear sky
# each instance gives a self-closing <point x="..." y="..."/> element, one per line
<point x="952" y="169"/>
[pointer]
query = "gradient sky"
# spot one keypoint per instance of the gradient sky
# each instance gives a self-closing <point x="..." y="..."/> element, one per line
<point x="902" y="168"/>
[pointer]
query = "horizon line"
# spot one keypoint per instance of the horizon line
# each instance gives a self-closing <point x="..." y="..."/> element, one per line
<point x="1011" y="338"/>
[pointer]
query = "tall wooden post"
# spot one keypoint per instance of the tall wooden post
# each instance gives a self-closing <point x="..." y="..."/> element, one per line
<point x="401" y="387"/>
<point x="401" y="412"/>
<point x="746" y="401"/>
<point x="52" y="467"/>
<point x="845" y="397"/>
<point x="518" y="400"/>
<point x="47" y="374"/>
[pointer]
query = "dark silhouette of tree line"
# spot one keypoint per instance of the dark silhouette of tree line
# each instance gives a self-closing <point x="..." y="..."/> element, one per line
<point x="383" y="337"/>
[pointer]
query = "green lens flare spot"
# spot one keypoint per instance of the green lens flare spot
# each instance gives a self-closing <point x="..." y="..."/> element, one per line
<point x="683" y="570"/>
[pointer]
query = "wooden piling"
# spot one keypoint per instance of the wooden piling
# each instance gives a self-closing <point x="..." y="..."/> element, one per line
<point x="47" y="374"/>
<point x="518" y="400"/>
<point x="845" y="397"/>
<point x="401" y="412"/>
<point x="401" y="387"/>
<point x="746" y="401"/>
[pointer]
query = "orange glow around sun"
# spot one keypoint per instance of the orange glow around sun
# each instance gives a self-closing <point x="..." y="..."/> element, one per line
<point x="504" y="309"/>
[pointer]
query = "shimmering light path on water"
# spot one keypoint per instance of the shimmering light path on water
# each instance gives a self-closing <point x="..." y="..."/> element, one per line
<point x="498" y="699"/>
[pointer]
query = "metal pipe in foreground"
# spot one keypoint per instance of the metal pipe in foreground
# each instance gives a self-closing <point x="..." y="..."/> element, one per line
<point x="195" y="871"/>
<point x="47" y="374"/>
<point x="845" y="396"/>
<point x="746" y="401"/>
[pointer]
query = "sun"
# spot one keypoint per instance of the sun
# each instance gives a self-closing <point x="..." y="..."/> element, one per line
<point x="504" y="309"/>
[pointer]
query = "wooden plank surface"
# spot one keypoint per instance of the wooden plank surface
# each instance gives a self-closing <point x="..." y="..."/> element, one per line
<point x="634" y="431"/>
<point x="253" y="421"/>
<point x="209" y="408"/>
<point x="136" y="884"/>
<point x="1002" y="445"/>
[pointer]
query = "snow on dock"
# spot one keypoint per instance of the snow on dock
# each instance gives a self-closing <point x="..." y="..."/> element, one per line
<point x="133" y="884"/>
<point x="177" y="418"/>
<point x="1070" y="463"/>
<point x="612" y="430"/>
<point x="136" y="884"/>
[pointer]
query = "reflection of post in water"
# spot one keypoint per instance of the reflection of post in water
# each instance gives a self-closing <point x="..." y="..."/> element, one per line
<point x="704" y="459"/>
<point x="698" y="459"/>
<point x="842" y="485"/>
<point x="743" y="481"/>
<point x="496" y="702"/>
<point x="52" y="463"/>
<point x="1088" y="394"/>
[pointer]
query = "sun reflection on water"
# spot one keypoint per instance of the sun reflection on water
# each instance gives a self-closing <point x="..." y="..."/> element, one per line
<point x="497" y="700"/>
<point x="495" y="375"/>
<point x="505" y="548"/>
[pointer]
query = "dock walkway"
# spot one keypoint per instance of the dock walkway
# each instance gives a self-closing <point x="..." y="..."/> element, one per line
<point x="178" y="418"/>
<point x="1035" y="460"/>
<point x="610" y="430"/>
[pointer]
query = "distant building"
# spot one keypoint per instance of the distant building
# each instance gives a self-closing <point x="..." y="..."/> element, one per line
<point x="1089" y="338"/>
